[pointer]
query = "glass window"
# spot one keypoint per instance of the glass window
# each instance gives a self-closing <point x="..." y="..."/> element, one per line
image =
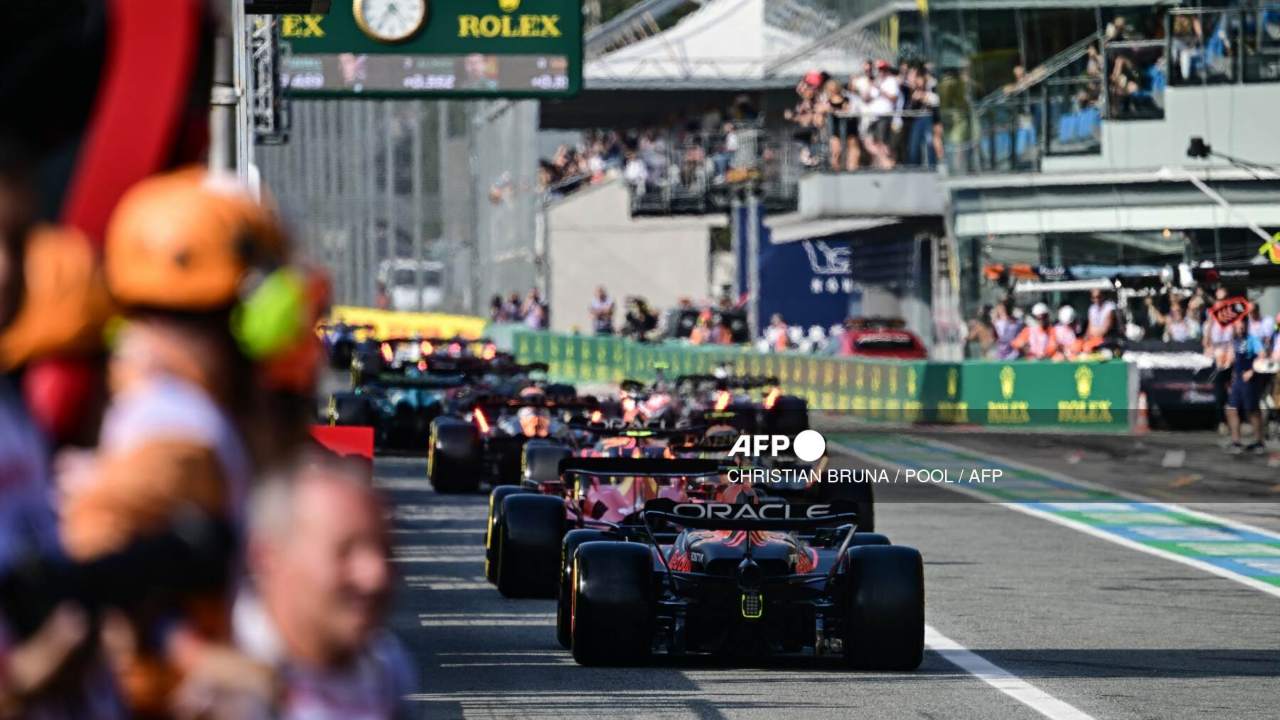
<point x="1136" y="78"/>
<point x="1203" y="46"/>
<point x="1261" y="44"/>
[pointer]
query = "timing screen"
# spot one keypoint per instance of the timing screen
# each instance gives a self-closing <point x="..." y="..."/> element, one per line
<point x="454" y="74"/>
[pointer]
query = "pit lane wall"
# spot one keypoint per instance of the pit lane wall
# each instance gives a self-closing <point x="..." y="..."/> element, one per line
<point x="1094" y="396"/>
<point x="391" y="323"/>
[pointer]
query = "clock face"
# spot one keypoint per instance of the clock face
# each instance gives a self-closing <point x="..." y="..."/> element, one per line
<point x="390" y="20"/>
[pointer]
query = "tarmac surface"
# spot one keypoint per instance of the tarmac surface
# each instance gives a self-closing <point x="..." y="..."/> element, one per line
<point x="1030" y="613"/>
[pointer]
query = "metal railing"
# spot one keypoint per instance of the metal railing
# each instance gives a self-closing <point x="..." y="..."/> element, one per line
<point x="910" y="143"/>
<point x="672" y="172"/>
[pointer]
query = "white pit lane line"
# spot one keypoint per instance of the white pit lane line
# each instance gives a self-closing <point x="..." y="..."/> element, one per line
<point x="1081" y="527"/>
<point x="1001" y="679"/>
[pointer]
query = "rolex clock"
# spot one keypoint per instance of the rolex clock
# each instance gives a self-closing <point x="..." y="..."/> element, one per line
<point x="390" y="20"/>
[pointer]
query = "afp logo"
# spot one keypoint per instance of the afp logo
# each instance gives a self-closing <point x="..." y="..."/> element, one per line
<point x="808" y="445"/>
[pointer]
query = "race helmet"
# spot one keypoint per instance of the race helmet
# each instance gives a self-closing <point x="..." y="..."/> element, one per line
<point x="534" y="422"/>
<point x="1039" y="310"/>
<point x="533" y="392"/>
<point x="1066" y="315"/>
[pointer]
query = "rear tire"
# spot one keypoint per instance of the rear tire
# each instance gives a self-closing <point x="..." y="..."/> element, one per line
<point x="490" y="531"/>
<point x="452" y="451"/>
<point x="540" y="462"/>
<point x="884" y="611"/>
<point x="868" y="538"/>
<point x="612" y="603"/>
<point x="529" y="535"/>
<point x="788" y="416"/>
<point x="564" y="601"/>
<point x="859" y="495"/>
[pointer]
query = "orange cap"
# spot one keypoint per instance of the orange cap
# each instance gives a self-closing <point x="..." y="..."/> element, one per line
<point x="65" y="304"/>
<point x="185" y="240"/>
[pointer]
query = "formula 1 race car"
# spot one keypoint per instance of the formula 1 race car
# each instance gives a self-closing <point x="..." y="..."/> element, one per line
<point x="340" y="340"/>
<point x="401" y="403"/>
<point x="399" y="407"/>
<point x="745" y="579"/>
<point x="487" y="440"/>
<point x="373" y="357"/>
<point x="527" y="522"/>
<point x="749" y="403"/>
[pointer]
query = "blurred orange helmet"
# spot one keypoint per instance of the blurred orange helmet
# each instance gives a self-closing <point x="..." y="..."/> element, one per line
<point x="65" y="305"/>
<point x="186" y="240"/>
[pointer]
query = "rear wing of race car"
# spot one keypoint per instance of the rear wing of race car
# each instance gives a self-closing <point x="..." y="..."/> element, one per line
<point x="481" y="366"/>
<point x="749" y="516"/>
<point x="430" y="381"/>
<point x="731" y="382"/>
<point x="496" y="405"/>
<point x="639" y="467"/>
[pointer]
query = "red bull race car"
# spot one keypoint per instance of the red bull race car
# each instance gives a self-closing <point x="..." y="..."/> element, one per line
<point x="749" y="578"/>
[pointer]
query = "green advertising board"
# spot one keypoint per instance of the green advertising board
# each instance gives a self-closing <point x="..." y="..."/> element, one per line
<point x="435" y="48"/>
<point x="1085" y="396"/>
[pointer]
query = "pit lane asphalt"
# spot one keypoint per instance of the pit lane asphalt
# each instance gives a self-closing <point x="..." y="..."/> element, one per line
<point x="1113" y="632"/>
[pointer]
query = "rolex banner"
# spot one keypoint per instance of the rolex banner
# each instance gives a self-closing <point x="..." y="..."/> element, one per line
<point x="1095" y="396"/>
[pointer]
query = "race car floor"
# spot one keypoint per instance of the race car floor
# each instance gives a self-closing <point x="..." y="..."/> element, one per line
<point x="1027" y="618"/>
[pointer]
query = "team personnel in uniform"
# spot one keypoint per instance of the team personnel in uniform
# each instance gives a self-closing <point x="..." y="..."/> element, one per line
<point x="193" y="263"/>
<point x="1037" y="341"/>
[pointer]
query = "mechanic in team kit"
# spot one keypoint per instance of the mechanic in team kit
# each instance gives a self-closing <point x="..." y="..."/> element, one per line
<point x="173" y="439"/>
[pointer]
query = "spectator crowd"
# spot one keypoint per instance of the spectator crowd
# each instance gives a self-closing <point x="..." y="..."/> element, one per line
<point x="882" y="117"/>
<point x="694" y="151"/>
<point x="532" y="311"/>
<point x="1004" y="331"/>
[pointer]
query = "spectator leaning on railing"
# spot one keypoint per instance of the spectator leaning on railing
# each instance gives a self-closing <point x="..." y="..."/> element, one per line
<point x="884" y="116"/>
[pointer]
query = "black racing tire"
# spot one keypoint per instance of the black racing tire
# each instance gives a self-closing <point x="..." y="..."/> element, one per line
<point x="490" y="529"/>
<point x="884" y="610"/>
<point x="529" y="535"/>
<point x="560" y="391"/>
<point x="868" y="538"/>
<point x="453" y="451"/>
<point x="788" y="416"/>
<point x="860" y="495"/>
<point x="612" y="603"/>
<point x="350" y="408"/>
<point x="340" y="354"/>
<point x="540" y="462"/>
<point x="564" y="600"/>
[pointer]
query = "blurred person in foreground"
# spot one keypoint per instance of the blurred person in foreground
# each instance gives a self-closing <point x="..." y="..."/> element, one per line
<point x="321" y="580"/>
<point x="197" y="268"/>
<point x="56" y="671"/>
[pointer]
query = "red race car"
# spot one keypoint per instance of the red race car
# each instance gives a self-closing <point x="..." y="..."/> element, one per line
<point x="883" y="339"/>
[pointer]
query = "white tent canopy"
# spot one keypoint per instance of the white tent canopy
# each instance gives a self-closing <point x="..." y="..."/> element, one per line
<point x="723" y="44"/>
